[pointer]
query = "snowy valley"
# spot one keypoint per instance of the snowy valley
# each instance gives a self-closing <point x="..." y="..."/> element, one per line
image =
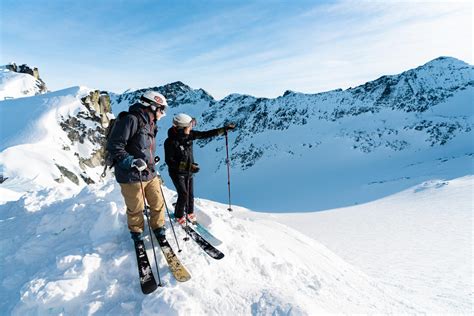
<point x="349" y="201"/>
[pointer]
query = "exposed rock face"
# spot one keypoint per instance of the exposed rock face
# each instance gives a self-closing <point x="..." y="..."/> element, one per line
<point x="88" y="128"/>
<point x="68" y="174"/>
<point x="400" y="104"/>
<point x="98" y="103"/>
<point x="2" y="178"/>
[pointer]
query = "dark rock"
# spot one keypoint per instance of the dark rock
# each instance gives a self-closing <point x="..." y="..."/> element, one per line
<point x="68" y="174"/>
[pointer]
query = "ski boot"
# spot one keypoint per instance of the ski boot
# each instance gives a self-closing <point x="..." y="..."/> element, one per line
<point x="160" y="234"/>
<point x="192" y="218"/>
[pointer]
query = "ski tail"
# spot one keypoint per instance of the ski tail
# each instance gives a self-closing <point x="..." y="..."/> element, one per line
<point x="147" y="280"/>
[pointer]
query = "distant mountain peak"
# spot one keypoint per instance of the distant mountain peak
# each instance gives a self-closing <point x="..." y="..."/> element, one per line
<point x="177" y="85"/>
<point x="443" y="60"/>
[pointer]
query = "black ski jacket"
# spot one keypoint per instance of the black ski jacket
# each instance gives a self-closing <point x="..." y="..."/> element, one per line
<point x="132" y="137"/>
<point x="179" y="148"/>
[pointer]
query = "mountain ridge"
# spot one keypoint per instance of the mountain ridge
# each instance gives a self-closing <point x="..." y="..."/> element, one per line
<point x="420" y="114"/>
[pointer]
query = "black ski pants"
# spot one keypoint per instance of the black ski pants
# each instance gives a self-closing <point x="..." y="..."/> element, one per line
<point x="184" y="187"/>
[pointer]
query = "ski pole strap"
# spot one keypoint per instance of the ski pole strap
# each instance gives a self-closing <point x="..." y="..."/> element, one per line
<point x="104" y="173"/>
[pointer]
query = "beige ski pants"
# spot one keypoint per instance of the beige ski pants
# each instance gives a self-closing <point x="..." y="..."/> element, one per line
<point x="133" y="196"/>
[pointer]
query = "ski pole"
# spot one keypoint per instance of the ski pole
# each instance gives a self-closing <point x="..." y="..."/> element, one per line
<point x="228" y="168"/>
<point x="169" y="216"/>
<point x="186" y="238"/>
<point x="145" y="210"/>
<point x="157" y="160"/>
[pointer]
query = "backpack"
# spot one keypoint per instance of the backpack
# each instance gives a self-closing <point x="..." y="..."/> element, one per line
<point x="109" y="162"/>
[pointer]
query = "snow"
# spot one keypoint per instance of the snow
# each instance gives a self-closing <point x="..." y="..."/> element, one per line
<point x="33" y="143"/>
<point x="93" y="262"/>
<point x="9" y="195"/>
<point x="394" y="255"/>
<point x="16" y="85"/>
<point x="37" y="117"/>
<point x="418" y="240"/>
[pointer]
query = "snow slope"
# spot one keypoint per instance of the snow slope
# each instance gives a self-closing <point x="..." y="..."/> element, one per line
<point x="36" y="151"/>
<point x="75" y="257"/>
<point x="418" y="241"/>
<point x="397" y="256"/>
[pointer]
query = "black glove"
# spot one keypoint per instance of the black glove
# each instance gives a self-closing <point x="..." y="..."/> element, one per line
<point x="194" y="168"/>
<point x="230" y="127"/>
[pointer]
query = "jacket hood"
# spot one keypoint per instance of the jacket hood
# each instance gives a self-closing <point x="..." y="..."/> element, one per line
<point x="137" y="107"/>
<point x="140" y="108"/>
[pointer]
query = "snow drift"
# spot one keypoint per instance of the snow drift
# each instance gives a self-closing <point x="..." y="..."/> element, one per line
<point x="75" y="257"/>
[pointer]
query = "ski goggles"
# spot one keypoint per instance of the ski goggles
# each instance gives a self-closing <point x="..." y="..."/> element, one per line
<point x="158" y="107"/>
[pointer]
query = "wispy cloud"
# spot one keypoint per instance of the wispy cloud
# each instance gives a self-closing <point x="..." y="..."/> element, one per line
<point x="260" y="48"/>
<point x="336" y="46"/>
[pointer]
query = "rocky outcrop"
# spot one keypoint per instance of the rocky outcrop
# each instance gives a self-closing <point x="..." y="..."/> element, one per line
<point x="68" y="174"/>
<point x="98" y="104"/>
<point x="2" y="178"/>
<point x="89" y="127"/>
<point x="25" y="69"/>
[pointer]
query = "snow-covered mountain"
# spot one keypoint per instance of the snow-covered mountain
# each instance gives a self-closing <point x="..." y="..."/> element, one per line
<point x="403" y="143"/>
<point x="385" y="136"/>
<point x="52" y="141"/>
<point x="20" y="81"/>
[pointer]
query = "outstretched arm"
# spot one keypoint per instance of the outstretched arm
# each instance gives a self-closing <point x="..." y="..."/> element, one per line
<point x="212" y="133"/>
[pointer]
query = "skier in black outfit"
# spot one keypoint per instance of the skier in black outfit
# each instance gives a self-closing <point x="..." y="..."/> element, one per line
<point x="180" y="160"/>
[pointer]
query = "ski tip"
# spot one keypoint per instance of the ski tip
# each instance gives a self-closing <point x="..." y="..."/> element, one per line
<point x="184" y="278"/>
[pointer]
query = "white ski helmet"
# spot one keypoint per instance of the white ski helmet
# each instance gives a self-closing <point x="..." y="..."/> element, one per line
<point x="153" y="98"/>
<point x="182" y="120"/>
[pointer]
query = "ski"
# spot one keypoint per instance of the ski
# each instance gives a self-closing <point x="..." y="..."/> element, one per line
<point x="203" y="243"/>
<point x="203" y="231"/>
<point x="176" y="267"/>
<point x="147" y="280"/>
<point x="206" y="233"/>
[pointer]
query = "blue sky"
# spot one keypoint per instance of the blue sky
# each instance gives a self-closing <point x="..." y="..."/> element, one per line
<point x="260" y="48"/>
